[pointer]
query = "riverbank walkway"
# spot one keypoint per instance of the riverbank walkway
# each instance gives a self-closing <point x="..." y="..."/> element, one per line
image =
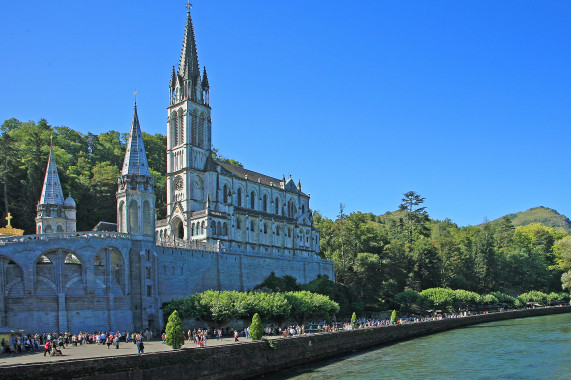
<point x="89" y="351"/>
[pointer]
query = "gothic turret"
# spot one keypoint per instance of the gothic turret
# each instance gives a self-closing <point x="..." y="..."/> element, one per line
<point x="136" y="197"/>
<point x="54" y="213"/>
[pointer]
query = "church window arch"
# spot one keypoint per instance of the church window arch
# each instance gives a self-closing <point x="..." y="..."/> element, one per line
<point x="59" y="228"/>
<point x="303" y="209"/>
<point x="201" y="131"/>
<point x="175" y="126"/>
<point x="225" y="229"/>
<point x="253" y="200"/>
<point x="147" y="218"/>
<point x="238" y="224"/>
<point x="265" y="203"/>
<point x="265" y="228"/>
<point x="252" y="226"/>
<point x="219" y="228"/>
<point x="194" y="128"/>
<point x="277" y="230"/>
<point x="213" y="227"/>
<point x="225" y="194"/>
<point x="48" y="229"/>
<point x="239" y="197"/>
<point x="180" y="136"/>
<point x="133" y="217"/>
<point x="277" y="206"/>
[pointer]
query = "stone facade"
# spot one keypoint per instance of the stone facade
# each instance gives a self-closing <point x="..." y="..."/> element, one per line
<point x="227" y="228"/>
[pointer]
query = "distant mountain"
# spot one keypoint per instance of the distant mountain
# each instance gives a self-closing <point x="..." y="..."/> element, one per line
<point x="543" y="215"/>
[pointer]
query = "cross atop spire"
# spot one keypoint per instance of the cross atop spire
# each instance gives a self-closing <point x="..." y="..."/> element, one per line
<point x="188" y="67"/>
<point x="188" y="6"/>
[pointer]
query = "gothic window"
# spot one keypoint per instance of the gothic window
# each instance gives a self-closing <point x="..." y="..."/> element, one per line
<point x="253" y="200"/>
<point x="148" y="270"/>
<point x="194" y="128"/>
<point x="225" y="229"/>
<point x="265" y="228"/>
<point x="238" y="224"/>
<point x="252" y="226"/>
<point x="174" y="119"/>
<point x="277" y="230"/>
<point x="148" y="255"/>
<point x="218" y="228"/>
<point x="303" y="209"/>
<point x="213" y="227"/>
<point x="149" y="290"/>
<point x="180" y="136"/>
<point x="133" y="217"/>
<point x="239" y="197"/>
<point x="147" y="218"/>
<point x="265" y="203"/>
<point x="201" y="131"/>
<point x="59" y="228"/>
<point x="277" y="206"/>
<point x="225" y="194"/>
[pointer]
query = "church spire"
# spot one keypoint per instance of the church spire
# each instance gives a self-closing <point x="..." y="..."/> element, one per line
<point x="188" y="67"/>
<point x="51" y="192"/>
<point x="135" y="157"/>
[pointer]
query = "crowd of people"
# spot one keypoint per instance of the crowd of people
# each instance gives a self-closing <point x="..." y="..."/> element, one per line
<point x="54" y="343"/>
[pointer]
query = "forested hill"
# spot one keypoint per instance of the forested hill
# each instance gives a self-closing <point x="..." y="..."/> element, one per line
<point x="543" y="215"/>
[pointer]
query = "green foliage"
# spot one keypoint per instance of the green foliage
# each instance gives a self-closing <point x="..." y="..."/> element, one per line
<point x="394" y="317"/>
<point x="217" y="308"/>
<point x="533" y="296"/>
<point x="504" y="298"/>
<point x="354" y="319"/>
<point x="543" y="215"/>
<point x="346" y="296"/>
<point x="440" y="298"/>
<point x="256" y="328"/>
<point x="174" y="331"/>
<point x="215" y="154"/>
<point x="278" y="284"/>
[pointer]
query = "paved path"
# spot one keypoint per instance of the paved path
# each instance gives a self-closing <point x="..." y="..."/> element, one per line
<point x="97" y="350"/>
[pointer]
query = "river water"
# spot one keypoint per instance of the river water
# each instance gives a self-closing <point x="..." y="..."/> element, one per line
<point x="527" y="348"/>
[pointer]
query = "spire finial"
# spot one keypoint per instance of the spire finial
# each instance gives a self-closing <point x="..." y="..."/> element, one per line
<point x="9" y="219"/>
<point x="135" y="93"/>
<point x="188" y="6"/>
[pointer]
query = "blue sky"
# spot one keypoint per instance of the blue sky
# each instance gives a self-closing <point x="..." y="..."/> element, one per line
<point x="466" y="103"/>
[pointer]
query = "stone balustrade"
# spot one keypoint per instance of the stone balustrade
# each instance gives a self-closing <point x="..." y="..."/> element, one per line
<point x="60" y="236"/>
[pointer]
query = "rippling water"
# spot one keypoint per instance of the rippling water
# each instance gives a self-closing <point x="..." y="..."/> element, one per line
<point x="528" y="348"/>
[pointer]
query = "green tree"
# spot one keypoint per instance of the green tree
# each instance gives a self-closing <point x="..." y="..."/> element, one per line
<point x="415" y="217"/>
<point x="354" y="319"/>
<point x="256" y="328"/>
<point x="394" y="317"/>
<point x="174" y="331"/>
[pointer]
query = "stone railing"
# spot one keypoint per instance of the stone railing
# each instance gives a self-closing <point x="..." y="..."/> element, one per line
<point x="59" y="236"/>
<point x="190" y="244"/>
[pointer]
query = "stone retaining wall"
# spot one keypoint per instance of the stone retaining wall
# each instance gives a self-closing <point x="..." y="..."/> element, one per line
<point x="248" y="359"/>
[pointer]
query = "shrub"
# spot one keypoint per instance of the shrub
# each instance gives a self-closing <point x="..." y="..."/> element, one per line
<point x="256" y="328"/>
<point x="394" y="317"/>
<point x="174" y="332"/>
<point x="354" y="319"/>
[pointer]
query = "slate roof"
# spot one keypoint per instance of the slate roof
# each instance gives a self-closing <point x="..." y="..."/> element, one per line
<point x="252" y="176"/>
<point x="135" y="158"/>
<point x="51" y="192"/>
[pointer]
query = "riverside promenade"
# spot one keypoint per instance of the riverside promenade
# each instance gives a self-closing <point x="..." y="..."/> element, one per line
<point x="246" y="359"/>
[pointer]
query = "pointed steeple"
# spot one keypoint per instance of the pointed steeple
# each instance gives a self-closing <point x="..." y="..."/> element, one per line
<point x="173" y="78"/>
<point x="188" y="67"/>
<point x="205" y="84"/>
<point x="51" y="192"/>
<point x="135" y="157"/>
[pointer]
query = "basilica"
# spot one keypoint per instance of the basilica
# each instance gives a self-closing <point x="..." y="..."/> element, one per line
<point x="227" y="228"/>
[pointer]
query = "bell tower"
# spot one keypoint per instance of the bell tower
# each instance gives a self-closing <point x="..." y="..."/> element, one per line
<point x="189" y="135"/>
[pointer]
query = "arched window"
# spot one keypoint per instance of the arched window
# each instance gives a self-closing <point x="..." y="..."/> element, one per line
<point x="238" y="224"/>
<point x="194" y="128"/>
<point x="147" y="218"/>
<point x="239" y="197"/>
<point x="59" y="228"/>
<point x="192" y="229"/>
<point x="218" y="228"/>
<point x="201" y="131"/>
<point x="265" y="203"/>
<point x="225" y="229"/>
<point x="253" y="200"/>
<point x="277" y="230"/>
<point x="225" y="194"/>
<point x="133" y="217"/>
<point x="174" y="119"/>
<point x="303" y="209"/>
<point x="202" y="227"/>
<point x="265" y="228"/>
<point x="213" y="227"/>
<point x="252" y="226"/>
<point x="277" y="206"/>
<point x="180" y="127"/>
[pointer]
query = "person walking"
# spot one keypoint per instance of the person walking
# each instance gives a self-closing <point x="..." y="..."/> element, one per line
<point x="47" y="347"/>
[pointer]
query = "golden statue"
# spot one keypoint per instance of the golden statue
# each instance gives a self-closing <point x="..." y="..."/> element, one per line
<point x="9" y="230"/>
